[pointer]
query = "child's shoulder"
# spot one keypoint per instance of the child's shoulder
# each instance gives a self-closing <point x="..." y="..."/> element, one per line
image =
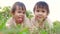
<point x="49" y="22"/>
<point x="9" y="22"/>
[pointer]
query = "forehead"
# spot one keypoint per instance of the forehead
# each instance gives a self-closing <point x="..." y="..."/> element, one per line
<point x="39" y="8"/>
<point x="19" y="7"/>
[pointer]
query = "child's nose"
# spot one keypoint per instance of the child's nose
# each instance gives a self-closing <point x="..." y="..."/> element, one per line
<point x="40" y="13"/>
<point x="21" y="14"/>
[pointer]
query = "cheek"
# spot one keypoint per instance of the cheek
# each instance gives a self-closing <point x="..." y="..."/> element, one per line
<point x="35" y="13"/>
<point x="45" y="15"/>
<point x="16" y="15"/>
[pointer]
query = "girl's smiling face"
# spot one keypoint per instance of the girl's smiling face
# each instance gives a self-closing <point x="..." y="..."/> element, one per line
<point x="19" y="14"/>
<point x="40" y="13"/>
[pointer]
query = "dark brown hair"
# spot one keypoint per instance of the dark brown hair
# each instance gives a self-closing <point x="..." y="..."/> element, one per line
<point x="20" y="4"/>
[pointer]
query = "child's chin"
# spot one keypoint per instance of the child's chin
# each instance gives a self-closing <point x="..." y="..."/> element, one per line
<point x="38" y="18"/>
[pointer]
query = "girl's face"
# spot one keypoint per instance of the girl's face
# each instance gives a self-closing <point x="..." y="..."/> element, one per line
<point x="19" y="14"/>
<point x="40" y="14"/>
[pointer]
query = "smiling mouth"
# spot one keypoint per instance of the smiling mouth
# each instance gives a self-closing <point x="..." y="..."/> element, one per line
<point x="39" y="16"/>
<point x="20" y="18"/>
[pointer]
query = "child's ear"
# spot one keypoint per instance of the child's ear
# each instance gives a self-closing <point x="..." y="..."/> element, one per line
<point x="47" y="13"/>
<point x="34" y="12"/>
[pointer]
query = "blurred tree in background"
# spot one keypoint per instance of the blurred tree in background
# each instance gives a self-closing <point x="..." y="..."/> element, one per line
<point x="4" y="15"/>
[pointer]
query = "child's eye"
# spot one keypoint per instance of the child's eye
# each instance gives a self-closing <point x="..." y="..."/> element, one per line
<point x="19" y="11"/>
<point x="43" y="11"/>
<point x="23" y="12"/>
<point x="37" y="10"/>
